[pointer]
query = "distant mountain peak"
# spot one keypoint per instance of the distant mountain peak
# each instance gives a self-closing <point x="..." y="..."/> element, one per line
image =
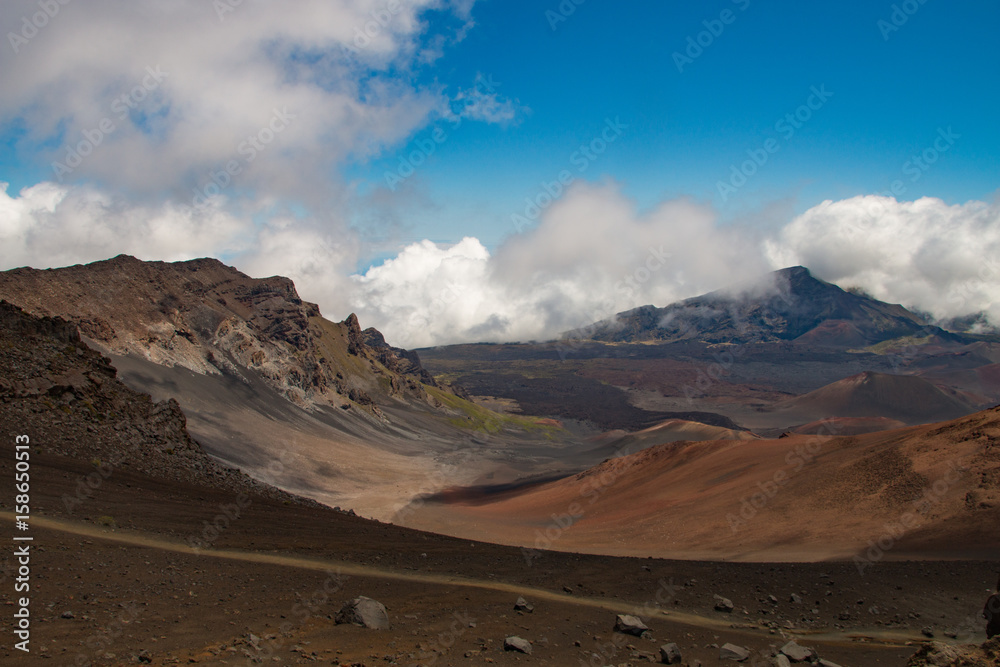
<point x="798" y="272"/>
<point x="785" y="305"/>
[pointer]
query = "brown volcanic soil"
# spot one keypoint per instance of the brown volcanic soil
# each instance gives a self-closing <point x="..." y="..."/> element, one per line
<point x="268" y="386"/>
<point x="143" y="546"/>
<point x="928" y="491"/>
<point x="906" y="398"/>
<point x="281" y="571"/>
<point x="849" y="426"/>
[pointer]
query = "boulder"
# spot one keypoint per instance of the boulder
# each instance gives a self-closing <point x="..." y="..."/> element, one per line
<point x="733" y="652"/>
<point x="365" y="612"/>
<point x="517" y="644"/>
<point x="797" y="653"/>
<point x="522" y="605"/>
<point x="630" y="625"/>
<point x="724" y="604"/>
<point x="670" y="654"/>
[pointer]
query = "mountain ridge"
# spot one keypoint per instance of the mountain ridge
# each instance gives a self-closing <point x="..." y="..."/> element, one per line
<point x="212" y="319"/>
<point x="786" y="305"/>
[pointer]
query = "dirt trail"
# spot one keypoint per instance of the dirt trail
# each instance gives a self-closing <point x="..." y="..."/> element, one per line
<point x="133" y="538"/>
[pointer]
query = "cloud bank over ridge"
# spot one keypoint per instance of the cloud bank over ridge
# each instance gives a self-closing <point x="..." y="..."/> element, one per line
<point x="593" y="254"/>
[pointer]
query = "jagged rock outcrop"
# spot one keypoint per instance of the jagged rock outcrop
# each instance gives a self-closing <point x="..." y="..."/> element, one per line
<point x="404" y="362"/>
<point x="210" y="318"/>
<point x="67" y="398"/>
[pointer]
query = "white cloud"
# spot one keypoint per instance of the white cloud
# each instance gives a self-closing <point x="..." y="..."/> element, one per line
<point x="587" y="260"/>
<point x="591" y="256"/>
<point x="925" y="254"/>
<point x="482" y="102"/>
<point x="199" y="83"/>
<point x="68" y="225"/>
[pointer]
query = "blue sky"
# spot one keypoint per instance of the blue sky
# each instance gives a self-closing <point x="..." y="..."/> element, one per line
<point x="559" y="151"/>
<point x="686" y="129"/>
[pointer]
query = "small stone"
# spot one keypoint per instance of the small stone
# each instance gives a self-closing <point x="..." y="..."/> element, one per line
<point x="517" y="644"/>
<point x="522" y="605"/>
<point x="724" y="604"/>
<point x="68" y="614"/>
<point x="630" y="625"/>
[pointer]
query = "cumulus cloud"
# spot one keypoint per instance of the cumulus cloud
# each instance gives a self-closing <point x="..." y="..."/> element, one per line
<point x="941" y="259"/>
<point x="164" y="111"/>
<point x="592" y="255"/>
<point x="68" y="225"/>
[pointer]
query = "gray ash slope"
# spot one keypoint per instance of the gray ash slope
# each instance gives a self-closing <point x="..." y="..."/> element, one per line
<point x="68" y="400"/>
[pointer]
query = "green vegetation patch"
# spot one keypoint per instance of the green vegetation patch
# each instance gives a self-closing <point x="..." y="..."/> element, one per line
<point x="477" y="418"/>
